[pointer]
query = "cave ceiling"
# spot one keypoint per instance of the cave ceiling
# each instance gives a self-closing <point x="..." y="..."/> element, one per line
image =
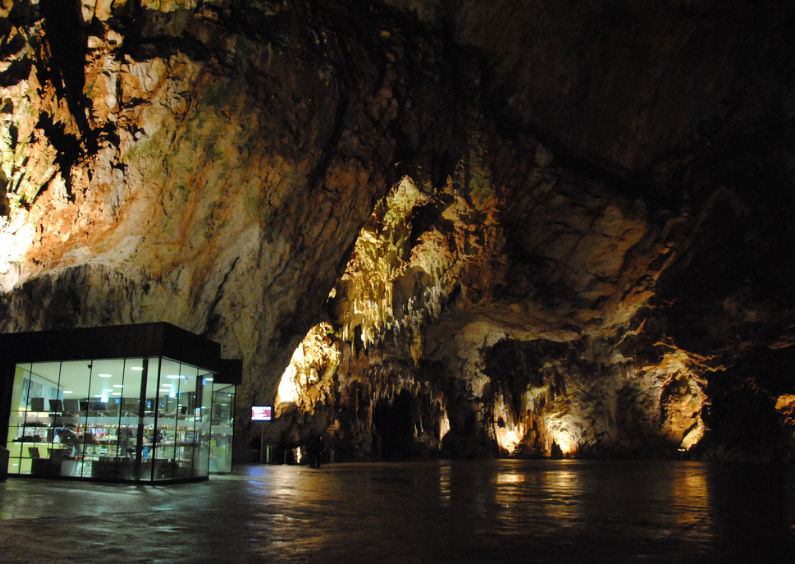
<point x="506" y="228"/>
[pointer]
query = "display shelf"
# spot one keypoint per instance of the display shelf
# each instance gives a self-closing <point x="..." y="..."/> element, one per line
<point x="68" y="444"/>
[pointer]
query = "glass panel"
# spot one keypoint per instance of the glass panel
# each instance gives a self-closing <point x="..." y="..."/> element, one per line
<point x="49" y="405"/>
<point x="129" y="424"/>
<point x="75" y="377"/>
<point x="166" y="426"/>
<point x="202" y="413"/>
<point x="185" y="438"/>
<point x="38" y="433"/>
<point x="221" y="432"/>
<point x="18" y="433"/>
<point x="101" y="432"/>
<point x="146" y="439"/>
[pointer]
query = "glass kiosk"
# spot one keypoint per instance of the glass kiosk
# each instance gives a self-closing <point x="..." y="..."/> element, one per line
<point x="135" y="419"/>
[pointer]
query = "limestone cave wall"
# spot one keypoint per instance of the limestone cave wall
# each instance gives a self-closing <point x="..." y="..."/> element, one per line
<point x="468" y="228"/>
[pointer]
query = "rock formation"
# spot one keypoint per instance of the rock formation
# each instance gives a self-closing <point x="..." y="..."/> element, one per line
<point x="468" y="228"/>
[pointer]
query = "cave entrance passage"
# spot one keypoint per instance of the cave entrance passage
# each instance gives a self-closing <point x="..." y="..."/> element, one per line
<point x="394" y="426"/>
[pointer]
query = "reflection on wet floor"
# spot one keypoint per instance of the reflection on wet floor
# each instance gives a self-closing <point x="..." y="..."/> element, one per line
<point x="435" y="511"/>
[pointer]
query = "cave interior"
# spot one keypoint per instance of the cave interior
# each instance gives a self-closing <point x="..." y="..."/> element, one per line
<point x="462" y="229"/>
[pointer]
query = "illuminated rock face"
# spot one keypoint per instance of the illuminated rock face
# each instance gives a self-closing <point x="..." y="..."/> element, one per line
<point x="203" y="163"/>
<point x="498" y="356"/>
<point x="498" y="230"/>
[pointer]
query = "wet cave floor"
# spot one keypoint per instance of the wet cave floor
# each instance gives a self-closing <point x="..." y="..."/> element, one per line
<point x="431" y="511"/>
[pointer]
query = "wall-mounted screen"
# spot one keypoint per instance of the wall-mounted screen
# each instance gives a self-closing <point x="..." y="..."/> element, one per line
<point x="261" y="413"/>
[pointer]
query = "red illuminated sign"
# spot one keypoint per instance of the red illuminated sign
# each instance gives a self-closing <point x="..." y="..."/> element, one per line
<point x="261" y="413"/>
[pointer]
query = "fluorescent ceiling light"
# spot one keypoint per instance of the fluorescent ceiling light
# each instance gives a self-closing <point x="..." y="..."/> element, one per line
<point x="67" y="392"/>
<point x="136" y="368"/>
<point x="117" y="386"/>
<point x="105" y="375"/>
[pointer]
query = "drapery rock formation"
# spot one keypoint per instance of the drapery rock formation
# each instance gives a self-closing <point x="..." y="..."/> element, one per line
<point x="500" y="228"/>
